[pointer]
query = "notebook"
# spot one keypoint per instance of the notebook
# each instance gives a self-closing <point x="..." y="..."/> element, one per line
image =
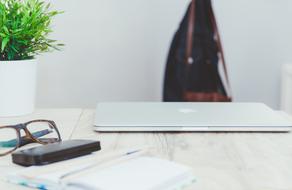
<point x="143" y="173"/>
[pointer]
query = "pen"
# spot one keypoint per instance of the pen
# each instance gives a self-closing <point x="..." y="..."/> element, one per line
<point x="106" y="161"/>
<point x="28" y="184"/>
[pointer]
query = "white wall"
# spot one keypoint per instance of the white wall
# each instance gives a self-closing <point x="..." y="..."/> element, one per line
<point x="116" y="50"/>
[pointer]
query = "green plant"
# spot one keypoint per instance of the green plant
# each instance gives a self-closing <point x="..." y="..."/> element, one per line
<point x="24" y="29"/>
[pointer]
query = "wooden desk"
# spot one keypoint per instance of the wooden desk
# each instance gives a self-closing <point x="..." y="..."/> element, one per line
<point x="220" y="161"/>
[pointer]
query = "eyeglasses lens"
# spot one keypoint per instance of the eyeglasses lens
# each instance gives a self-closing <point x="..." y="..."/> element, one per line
<point x="8" y="140"/>
<point x="43" y="131"/>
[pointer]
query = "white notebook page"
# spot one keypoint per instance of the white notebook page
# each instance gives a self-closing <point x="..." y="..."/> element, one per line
<point x="143" y="173"/>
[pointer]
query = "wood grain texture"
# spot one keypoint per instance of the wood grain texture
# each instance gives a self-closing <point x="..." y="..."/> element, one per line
<point x="240" y="161"/>
<point x="220" y="161"/>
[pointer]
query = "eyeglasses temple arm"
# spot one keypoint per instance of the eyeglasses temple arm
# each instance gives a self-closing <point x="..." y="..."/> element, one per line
<point x="41" y="133"/>
<point x="8" y="144"/>
<point x="23" y="140"/>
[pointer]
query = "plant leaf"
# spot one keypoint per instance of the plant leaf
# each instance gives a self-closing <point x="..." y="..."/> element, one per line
<point x="4" y="43"/>
<point x="25" y="26"/>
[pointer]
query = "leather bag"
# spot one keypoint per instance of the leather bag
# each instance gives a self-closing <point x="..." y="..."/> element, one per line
<point x="194" y="76"/>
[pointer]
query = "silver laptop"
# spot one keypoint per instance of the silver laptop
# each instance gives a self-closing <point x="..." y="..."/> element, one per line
<point x="161" y="116"/>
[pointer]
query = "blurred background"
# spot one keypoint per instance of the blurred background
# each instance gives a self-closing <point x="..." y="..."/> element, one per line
<point x="116" y="50"/>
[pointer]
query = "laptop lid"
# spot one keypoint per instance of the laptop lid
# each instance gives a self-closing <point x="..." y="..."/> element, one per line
<point x="187" y="114"/>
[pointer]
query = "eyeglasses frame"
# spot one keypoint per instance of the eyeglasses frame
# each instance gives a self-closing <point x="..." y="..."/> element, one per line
<point x="28" y="135"/>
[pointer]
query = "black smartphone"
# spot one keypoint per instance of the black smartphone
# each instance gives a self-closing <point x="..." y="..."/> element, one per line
<point x="55" y="152"/>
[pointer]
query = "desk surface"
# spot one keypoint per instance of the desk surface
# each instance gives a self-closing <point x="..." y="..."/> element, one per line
<point x="220" y="161"/>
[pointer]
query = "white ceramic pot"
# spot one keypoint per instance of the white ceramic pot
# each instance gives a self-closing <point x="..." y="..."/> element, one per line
<point x="17" y="87"/>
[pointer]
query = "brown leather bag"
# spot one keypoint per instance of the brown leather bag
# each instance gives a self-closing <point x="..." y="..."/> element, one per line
<point x="213" y="96"/>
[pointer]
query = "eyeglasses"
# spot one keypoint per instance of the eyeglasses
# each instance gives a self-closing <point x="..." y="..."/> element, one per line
<point x="36" y="131"/>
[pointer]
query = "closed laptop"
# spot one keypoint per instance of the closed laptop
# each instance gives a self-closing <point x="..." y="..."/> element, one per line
<point x="188" y="116"/>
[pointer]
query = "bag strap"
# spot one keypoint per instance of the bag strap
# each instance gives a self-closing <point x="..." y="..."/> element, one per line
<point x="189" y="43"/>
<point x="220" y="47"/>
<point x="190" y="32"/>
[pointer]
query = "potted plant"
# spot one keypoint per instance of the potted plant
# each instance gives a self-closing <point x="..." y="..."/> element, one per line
<point x="24" y="31"/>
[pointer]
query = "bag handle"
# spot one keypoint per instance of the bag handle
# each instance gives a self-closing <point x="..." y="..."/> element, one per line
<point x="189" y="43"/>
<point x="190" y="32"/>
<point x="220" y="47"/>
